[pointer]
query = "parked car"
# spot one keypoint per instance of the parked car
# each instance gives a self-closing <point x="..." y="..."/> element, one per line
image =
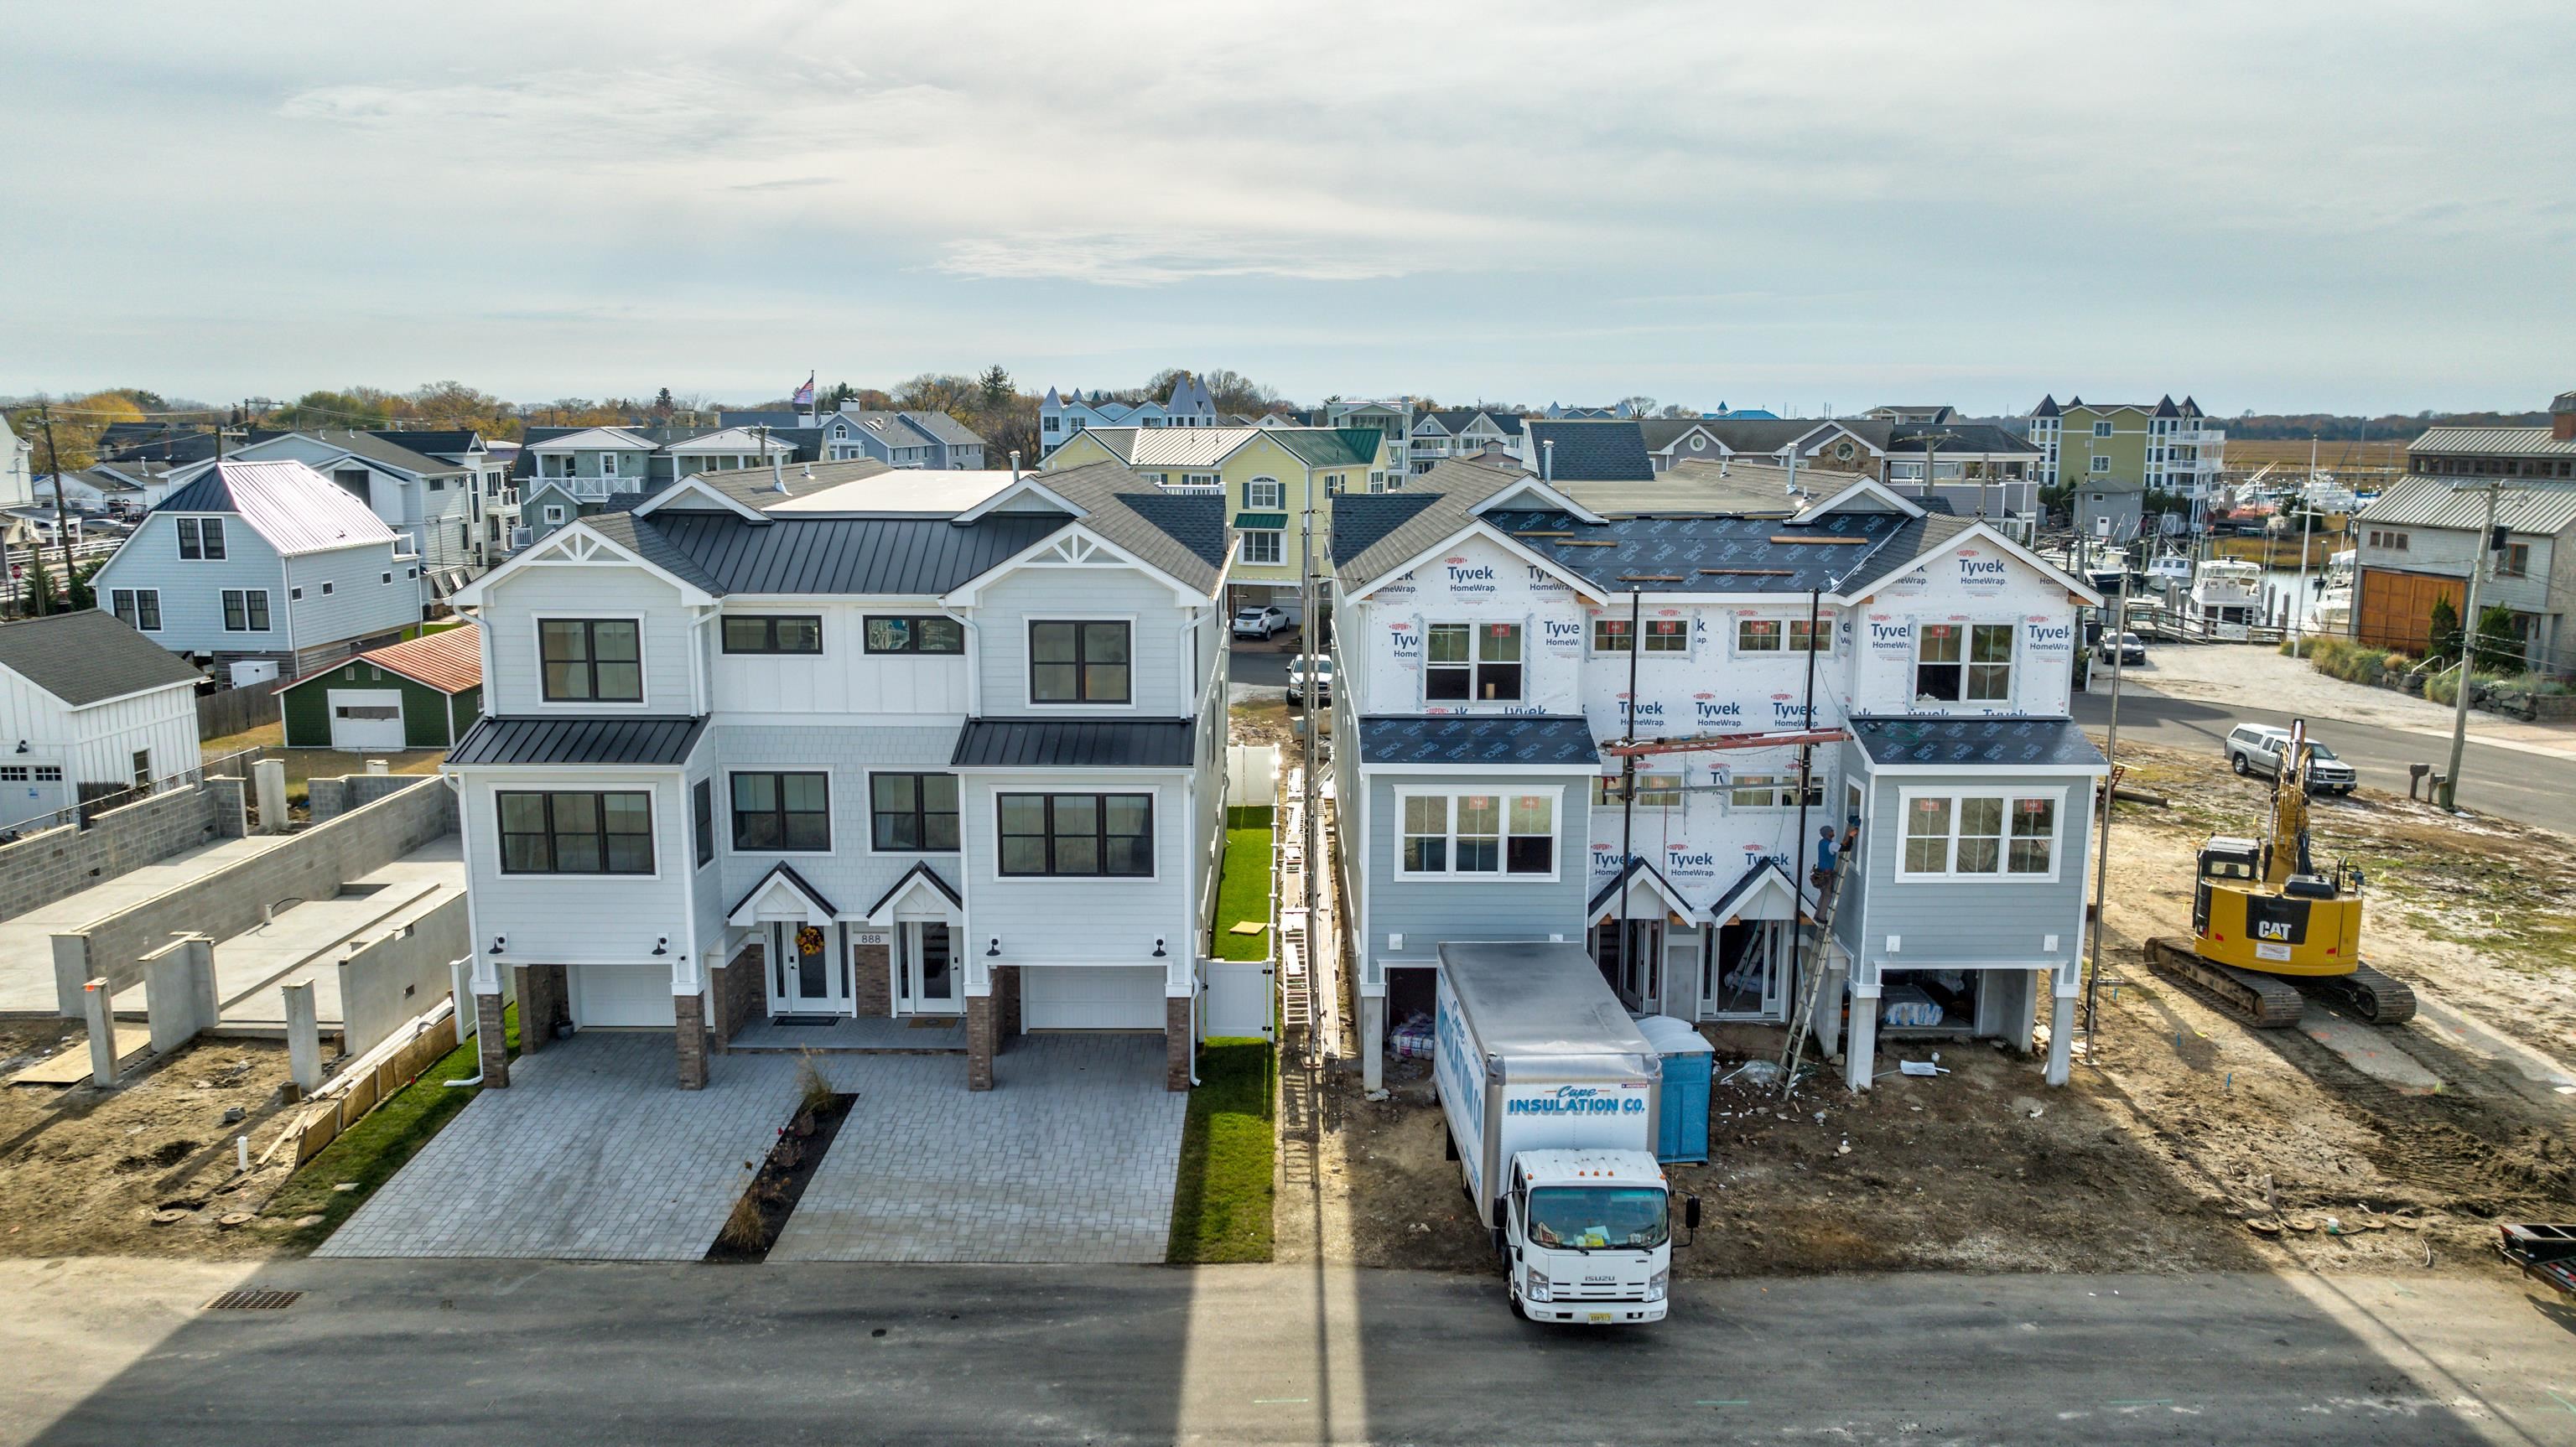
<point x="1259" y="622"/>
<point x="2257" y="749"/>
<point x="1297" y="680"/>
<point x="2132" y="648"/>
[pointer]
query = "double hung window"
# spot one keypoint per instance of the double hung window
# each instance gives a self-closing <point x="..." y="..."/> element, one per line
<point x="1264" y="547"/>
<point x="201" y="539"/>
<point x="1654" y="791"/>
<point x="782" y="812"/>
<point x="245" y="610"/>
<point x="913" y="812"/>
<point x="591" y="660"/>
<point x="1963" y="662"/>
<point x="1078" y="663"/>
<point x="1981" y="835"/>
<point x="140" y="607"/>
<point x="1477" y="661"/>
<point x="1478" y="835"/>
<point x="1771" y="791"/>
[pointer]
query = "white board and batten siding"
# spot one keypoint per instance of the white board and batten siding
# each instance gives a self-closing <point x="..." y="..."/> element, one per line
<point x="97" y="744"/>
<point x="844" y="678"/>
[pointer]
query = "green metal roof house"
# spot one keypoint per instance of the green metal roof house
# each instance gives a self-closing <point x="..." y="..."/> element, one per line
<point x="419" y="694"/>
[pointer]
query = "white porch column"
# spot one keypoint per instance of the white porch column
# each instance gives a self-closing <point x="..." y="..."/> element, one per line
<point x="1858" y="1060"/>
<point x="2061" y="1033"/>
<point x="1373" y="1042"/>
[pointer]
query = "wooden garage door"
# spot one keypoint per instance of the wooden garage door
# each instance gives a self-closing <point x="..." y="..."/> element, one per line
<point x="2396" y="608"/>
<point x="622" y="995"/>
<point x="1091" y="997"/>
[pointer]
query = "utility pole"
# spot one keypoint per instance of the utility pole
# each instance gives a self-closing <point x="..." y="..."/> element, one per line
<point x="2102" y="845"/>
<point x="2469" y="649"/>
<point x="1309" y="796"/>
<point x="62" y="522"/>
<point x="1628" y="795"/>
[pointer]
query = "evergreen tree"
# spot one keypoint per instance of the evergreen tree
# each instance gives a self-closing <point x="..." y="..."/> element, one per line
<point x="2498" y="650"/>
<point x="997" y="388"/>
<point x="2442" y="631"/>
<point x="84" y="597"/>
<point x="42" y="596"/>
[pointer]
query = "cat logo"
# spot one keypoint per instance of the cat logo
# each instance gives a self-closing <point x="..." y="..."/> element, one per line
<point x="2272" y="929"/>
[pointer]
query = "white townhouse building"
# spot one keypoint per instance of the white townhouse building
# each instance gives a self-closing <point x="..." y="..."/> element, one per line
<point x="1494" y="638"/>
<point x="817" y="746"/>
<point x="263" y="560"/>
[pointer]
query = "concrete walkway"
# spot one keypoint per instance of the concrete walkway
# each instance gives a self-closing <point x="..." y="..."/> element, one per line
<point x="2236" y="674"/>
<point x="1070" y="1157"/>
<point x="27" y="941"/>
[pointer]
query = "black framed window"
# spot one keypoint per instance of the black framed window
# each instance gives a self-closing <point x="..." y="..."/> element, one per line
<point x="931" y="634"/>
<point x="1079" y="663"/>
<point x="702" y="804"/>
<point x="783" y="812"/>
<point x="913" y="811"/>
<point x="576" y="833"/>
<point x="245" y="610"/>
<point x="201" y="539"/>
<point x="140" y="607"/>
<point x="1077" y="835"/>
<point x="764" y="634"/>
<point x="591" y="660"/>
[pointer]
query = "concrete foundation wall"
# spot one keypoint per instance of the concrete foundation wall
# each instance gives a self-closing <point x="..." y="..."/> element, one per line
<point x="395" y="976"/>
<point x="59" y="863"/>
<point x="328" y="799"/>
<point x="312" y="865"/>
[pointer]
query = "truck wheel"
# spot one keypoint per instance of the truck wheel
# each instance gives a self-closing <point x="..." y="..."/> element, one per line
<point x="2237" y="762"/>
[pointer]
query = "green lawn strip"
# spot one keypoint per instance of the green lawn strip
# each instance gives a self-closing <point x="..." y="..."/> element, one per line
<point x="1243" y="894"/>
<point x="1221" y="1203"/>
<point x="382" y="1142"/>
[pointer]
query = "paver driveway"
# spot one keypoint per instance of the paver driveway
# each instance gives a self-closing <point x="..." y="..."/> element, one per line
<point x="1071" y="1157"/>
<point x="593" y="1154"/>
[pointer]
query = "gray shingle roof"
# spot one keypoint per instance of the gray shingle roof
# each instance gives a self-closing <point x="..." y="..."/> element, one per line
<point x="1590" y="451"/>
<point x="372" y="447"/>
<point x="1472" y="739"/>
<point x="757" y="486"/>
<point x="1976" y="743"/>
<point x="1010" y="743"/>
<point x="431" y="443"/>
<point x="1957" y="437"/>
<point x="1376" y="532"/>
<point x="945" y="428"/>
<point x="1183" y="534"/>
<point x="85" y="658"/>
<point x="648" y="741"/>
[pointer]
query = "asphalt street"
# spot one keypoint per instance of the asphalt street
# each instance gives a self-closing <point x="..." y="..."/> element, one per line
<point x="567" y="1355"/>
<point x="2512" y="783"/>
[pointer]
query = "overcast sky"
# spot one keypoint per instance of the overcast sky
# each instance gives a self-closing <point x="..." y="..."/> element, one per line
<point x="2276" y="206"/>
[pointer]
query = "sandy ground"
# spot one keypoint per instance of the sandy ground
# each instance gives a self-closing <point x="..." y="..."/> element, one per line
<point x="2195" y="1143"/>
<point x="83" y="1171"/>
<point x="2231" y="674"/>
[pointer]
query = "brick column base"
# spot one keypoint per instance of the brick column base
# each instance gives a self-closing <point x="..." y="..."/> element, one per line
<point x="1178" y="1047"/>
<point x="545" y="1001"/>
<point x="689" y="1019"/>
<point x="489" y="1046"/>
<point x="737" y="995"/>
<point x="1006" y="997"/>
<point x="872" y="980"/>
<point x="979" y="1042"/>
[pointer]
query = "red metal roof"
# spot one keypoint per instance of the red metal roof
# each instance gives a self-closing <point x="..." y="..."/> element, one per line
<point x="450" y="660"/>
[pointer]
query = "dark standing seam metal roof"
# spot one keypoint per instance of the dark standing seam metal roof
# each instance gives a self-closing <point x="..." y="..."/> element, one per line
<point x="843" y="555"/>
<point x="647" y="741"/>
<point x="1976" y="743"/>
<point x="84" y="658"/>
<point x="1005" y="743"/>
<point x="1666" y="555"/>
<point x="783" y="870"/>
<point x="1610" y="451"/>
<point x="1452" y="739"/>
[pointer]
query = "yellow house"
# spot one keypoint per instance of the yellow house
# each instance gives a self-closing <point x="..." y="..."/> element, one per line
<point x="1267" y="475"/>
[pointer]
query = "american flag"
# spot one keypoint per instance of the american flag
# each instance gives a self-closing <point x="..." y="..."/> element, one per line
<point x="805" y="395"/>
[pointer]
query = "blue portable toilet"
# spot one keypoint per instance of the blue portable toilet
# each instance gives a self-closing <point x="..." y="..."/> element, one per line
<point x="1682" y="1134"/>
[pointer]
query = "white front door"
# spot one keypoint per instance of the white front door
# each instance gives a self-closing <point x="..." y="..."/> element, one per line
<point x="926" y="970"/>
<point x="366" y="718"/>
<point x="805" y="977"/>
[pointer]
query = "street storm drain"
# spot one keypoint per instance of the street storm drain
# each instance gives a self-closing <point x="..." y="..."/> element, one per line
<point x="253" y="1300"/>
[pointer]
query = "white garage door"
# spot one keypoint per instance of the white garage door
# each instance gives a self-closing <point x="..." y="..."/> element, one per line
<point x="366" y="718"/>
<point x="1091" y="997"/>
<point x="29" y="792"/>
<point x="608" y="995"/>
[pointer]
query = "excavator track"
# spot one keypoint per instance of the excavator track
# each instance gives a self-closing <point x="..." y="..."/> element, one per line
<point x="2377" y="998"/>
<point x="2266" y="1002"/>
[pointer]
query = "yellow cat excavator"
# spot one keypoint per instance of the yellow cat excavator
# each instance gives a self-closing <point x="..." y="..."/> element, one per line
<point x="2264" y="914"/>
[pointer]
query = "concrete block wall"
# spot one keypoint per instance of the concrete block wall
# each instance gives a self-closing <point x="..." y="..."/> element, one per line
<point x="311" y="865"/>
<point x="392" y="978"/>
<point x="327" y="799"/>
<point x="232" y="816"/>
<point x="59" y="863"/>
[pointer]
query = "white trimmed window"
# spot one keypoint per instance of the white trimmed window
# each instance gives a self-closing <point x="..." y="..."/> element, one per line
<point x="1264" y="547"/>
<point x="1963" y="662"/>
<point x="1265" y="494"/>
<point x="1663" y="635"/>
<point x="1654" y="791"/>
<point x="1478" y="661"/>
<point x="2101" y="429"/>
<point x="1980" y="836"/>
<point x="1478" y="836"/>
<point x="2101" y="463"/>
<point x="1757" y="635"/>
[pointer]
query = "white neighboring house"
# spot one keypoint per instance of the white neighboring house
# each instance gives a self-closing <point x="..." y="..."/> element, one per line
<point x="17" y="464"/>
<point x="264" y="560"/>
<point x="431" y="502"/>
<point x="87" y="701"/>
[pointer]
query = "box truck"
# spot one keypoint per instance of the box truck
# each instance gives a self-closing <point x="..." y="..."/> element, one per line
<point x="1550" y="1095"/>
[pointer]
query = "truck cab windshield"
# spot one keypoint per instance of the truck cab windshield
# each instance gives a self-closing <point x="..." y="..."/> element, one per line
<point x="1594" y="1218"/>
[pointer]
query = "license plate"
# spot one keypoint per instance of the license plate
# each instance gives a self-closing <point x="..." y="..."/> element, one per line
<point x="2271" y="952"/>
<point x="1604" y="1316"/>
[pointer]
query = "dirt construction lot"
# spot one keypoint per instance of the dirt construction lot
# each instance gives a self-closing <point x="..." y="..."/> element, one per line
<point x="2191" y="1141"/>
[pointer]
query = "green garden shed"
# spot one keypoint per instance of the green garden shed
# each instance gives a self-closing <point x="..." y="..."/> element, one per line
<point x="422" y="693"/>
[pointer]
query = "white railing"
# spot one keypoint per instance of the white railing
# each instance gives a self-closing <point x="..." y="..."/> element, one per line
<point x="2204" y="438"/>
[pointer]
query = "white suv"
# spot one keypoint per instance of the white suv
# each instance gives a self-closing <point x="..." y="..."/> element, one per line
<point x="2257" y="749"/>
<point x="1259" y="622"/>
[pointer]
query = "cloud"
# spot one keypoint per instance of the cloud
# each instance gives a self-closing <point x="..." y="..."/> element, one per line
<point x="1159" y="259"/>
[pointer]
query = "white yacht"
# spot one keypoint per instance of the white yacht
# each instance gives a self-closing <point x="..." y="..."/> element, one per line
<point x="2332" y="612"/>
<point x="2227" y="597"/>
